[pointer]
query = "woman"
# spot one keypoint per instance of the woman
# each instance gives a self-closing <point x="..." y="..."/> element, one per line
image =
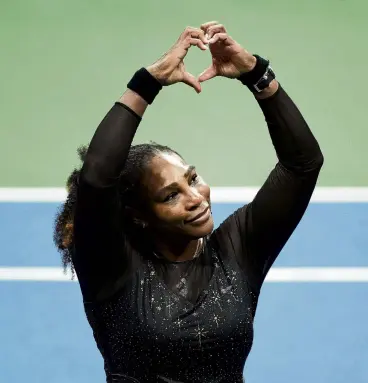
<point x="168" y="298"/>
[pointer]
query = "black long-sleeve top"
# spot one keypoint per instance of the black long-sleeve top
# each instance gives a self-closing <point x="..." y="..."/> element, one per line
<point x="147" y="325"/>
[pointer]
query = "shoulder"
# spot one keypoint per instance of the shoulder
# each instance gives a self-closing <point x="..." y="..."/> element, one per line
<point x="234" y="222"/>
<point x="231" y="233"/>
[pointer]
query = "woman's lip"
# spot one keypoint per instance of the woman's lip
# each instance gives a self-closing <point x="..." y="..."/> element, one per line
<point x="199" y="216"/>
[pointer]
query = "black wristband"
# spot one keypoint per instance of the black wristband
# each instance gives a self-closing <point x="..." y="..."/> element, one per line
<point x="251" y="78"/>
<point x="144" y="84"/>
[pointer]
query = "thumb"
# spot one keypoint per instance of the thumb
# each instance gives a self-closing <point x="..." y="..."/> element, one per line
<point x="209" y="73"/>
<point x="190" y="80"/>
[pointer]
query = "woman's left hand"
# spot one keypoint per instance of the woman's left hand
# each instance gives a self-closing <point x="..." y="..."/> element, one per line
<point x="229" y="59"/>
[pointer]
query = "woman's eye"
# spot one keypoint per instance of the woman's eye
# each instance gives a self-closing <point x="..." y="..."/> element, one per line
<point x="170" y="196"/>
<point x="194" y="178"/>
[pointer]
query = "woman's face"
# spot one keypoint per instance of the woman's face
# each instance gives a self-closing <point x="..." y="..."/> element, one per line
<point x="179" y="199"/>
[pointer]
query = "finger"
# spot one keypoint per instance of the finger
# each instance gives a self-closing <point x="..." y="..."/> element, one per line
<point x="205" y="26"/>
<point x="190" y="80"/>
<point x="181" y="50"/>
<point x="206" y="75"/>
<point x="221" y="37"/>
<point x="213" y="29"/>
<point x="193" y="41"/>
<point x="195" y="33"/>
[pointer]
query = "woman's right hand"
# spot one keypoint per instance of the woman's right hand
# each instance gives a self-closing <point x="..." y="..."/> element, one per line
<point x="170" y="68"/>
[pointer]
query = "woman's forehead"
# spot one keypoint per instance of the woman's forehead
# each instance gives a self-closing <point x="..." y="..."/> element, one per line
<point x="170" y="159"/>
<point x="164" y="169"/>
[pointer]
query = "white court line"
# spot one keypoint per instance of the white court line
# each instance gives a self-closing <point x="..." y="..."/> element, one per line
<point x="277" y="274"/>
<point x="218" y="194"/>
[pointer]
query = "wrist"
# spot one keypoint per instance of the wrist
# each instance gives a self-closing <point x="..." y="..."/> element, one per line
<point x="145" y="85"/>
<point x="249" y="65"/>
<point x="260" y="77"/>
<point x="156" y="73"/>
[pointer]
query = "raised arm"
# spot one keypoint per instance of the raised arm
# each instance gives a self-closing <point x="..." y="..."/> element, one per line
<point x="101" y="253"/>
<point x="257" y="232"/>
<point x="270" y="219"/>
<point x="97" y="228"/>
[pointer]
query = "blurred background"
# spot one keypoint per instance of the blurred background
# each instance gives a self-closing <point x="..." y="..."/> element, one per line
<point x="64" y="63"/>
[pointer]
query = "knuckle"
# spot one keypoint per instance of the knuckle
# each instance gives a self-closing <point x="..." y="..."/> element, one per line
<point x="217" y="27"/>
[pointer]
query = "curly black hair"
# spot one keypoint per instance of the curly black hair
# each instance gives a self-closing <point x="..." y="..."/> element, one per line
<point x="129" y="185"/>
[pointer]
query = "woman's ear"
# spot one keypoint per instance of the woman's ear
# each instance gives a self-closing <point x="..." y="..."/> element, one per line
<point x="137" y="217"/>
<point x="140" y="223"/>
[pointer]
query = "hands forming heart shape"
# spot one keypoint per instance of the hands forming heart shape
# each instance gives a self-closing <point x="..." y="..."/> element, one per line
<point x="229" y="59"/>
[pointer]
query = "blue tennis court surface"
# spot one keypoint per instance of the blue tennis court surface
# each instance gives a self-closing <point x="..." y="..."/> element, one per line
<point x="304" y="332"/>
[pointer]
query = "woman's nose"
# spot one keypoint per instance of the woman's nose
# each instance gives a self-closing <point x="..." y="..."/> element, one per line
<point x="195" y="199"/>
